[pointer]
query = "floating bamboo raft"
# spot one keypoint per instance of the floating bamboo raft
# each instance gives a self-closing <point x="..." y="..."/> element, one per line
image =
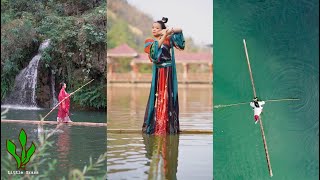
<point x="135" y="131"/>
<point x="120" y="131"/>
<point x="55" y="122"/>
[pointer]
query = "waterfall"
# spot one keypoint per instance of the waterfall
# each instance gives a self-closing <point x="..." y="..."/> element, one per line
<point x="54" y="96"/>
<point x="24" y="92"/>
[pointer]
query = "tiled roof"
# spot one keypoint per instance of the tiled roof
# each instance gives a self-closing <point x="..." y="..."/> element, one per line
<point x="122" y="51"/>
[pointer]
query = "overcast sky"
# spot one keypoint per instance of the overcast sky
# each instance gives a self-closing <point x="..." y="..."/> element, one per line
<point x="195" y="17"/>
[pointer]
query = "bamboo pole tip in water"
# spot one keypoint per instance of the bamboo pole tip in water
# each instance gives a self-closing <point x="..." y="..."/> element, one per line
<point x="41" y="118"/>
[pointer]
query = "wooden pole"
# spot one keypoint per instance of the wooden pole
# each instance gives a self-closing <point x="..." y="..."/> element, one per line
<point x="288" y="99"/>
<point x="271" y="100"/>
<point x="253" y="88"/>
<point x="261" y="126"/>
<point x="42" y="119"/>
<point x="266" y="148"/>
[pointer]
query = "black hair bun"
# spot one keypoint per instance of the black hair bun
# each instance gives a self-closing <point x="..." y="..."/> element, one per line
<point x="164" y="20"/>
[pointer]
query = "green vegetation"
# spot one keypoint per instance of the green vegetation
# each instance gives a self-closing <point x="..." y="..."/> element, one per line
<point x="40" y="159"/>
<point x="17" y="44"/>
<point x="126" y="24"/>
<point x="120" y="33"/>
<point x="25" y="154"/>
<point x="77" y="53"/>
<point x="145" y="68"/>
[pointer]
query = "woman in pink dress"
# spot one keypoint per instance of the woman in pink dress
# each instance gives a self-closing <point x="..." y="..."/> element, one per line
<point x="63" y="112"/>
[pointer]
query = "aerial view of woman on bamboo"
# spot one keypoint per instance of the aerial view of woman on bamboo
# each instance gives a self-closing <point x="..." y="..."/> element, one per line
<point x="162" y="111"/>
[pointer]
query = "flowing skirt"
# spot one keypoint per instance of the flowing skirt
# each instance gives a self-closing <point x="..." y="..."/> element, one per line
<point x="165" y="116"/>
<point x="63" y="115"/>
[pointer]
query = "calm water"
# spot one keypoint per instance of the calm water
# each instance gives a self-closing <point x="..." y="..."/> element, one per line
<point x="126" y="107"/>
<point x="282" y="40"/>
<point x="76" y="115"/>
<point x="137" y="156"/>
<point x="72" y="145"/>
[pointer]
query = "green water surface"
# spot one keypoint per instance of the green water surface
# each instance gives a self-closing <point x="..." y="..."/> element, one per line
<point x="282" y="40"/>
<point x="72" y="146"/>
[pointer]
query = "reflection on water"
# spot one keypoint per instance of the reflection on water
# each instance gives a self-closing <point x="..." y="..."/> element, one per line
<point x="63" y="149"/>
<point x="162" y="152"/>
<point x="136" y="156"/>
<point x="126" y="107"/>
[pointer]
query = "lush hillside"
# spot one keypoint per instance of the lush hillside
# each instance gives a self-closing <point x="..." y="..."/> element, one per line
<point x="77" y="30"/>
<point x="127" y="24"/>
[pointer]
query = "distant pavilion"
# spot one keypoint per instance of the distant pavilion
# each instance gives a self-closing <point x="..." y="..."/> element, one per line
<point x="199" y="60"/>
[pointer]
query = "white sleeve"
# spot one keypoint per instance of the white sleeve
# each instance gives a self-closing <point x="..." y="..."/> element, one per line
<point x="252" y="104"/>
<point x="261" y="103"/>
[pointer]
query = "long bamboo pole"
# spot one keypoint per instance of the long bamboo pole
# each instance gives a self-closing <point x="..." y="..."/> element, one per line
<point x="248" y="61"/>
<point x="261" y="126"/>
<point x="42" y="119"/>
<point x="270" y="100"/>
<point x="266" y="148"/>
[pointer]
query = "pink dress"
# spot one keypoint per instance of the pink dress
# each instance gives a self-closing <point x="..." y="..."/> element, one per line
<point x="63" y="112"/>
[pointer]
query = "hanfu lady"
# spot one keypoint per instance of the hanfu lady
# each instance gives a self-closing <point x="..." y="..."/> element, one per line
<point x="162" y="111"/>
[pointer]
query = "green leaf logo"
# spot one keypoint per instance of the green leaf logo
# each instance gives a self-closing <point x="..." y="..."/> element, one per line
<point x="22" y="160"/>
